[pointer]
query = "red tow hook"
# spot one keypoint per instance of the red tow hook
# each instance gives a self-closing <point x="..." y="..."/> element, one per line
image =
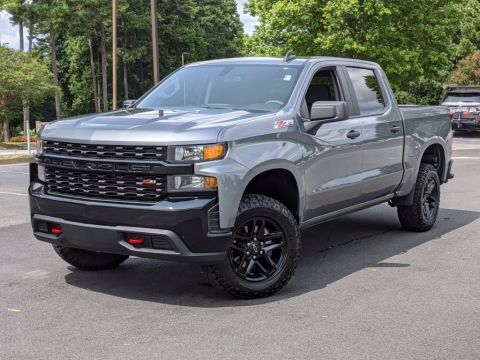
<point x="56" y="230"/>
<point x="136" y="240"/>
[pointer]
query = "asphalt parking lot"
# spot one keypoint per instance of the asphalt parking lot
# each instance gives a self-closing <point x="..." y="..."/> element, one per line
<point x="364" y="289"/>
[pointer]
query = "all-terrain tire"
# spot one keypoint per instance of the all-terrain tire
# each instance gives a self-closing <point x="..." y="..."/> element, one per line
<point x="415" y="217"/>
<point x="89" y="260"/>
<point x="224" y="276"/>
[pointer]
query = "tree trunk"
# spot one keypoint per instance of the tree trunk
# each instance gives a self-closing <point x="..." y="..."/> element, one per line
<point x="55" y="71"/>
<point x="94" y="79"/>
<point x="6" y="130"/>
<point x="125" y="70"/>
<point x="125" y="80"/>
<point x="30" y="35"/>
<point x="142" y="77"/>
<point x="103" y="51"/>
<point x="26" y="123"/>
<point x="20" y="32"/>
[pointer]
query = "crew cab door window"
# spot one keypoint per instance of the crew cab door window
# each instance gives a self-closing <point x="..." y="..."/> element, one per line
<point x="323" y="87"/>
<point x="367" y="91"/>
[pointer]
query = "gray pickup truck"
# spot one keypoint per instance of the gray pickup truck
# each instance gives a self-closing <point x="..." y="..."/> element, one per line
<point x="224" y="163"/>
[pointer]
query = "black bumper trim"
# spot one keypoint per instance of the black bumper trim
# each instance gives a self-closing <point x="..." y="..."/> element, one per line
<point x="111" y="239"/>
<point x="185" y="221"/>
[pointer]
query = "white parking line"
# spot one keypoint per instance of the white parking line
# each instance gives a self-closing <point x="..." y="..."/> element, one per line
<point x="8" y="165"/>
<point x="12" y="193"/>
<point x="13" y="172"/>
<point x="466" y="158"/>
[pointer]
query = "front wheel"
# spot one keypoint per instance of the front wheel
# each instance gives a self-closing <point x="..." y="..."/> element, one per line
<point x="422" y="214"/>
<point x="264" y="251"/>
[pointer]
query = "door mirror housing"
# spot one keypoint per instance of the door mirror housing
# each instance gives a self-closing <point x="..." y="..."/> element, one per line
<point x="128" y="103"/>
<point x="329" y="111"/>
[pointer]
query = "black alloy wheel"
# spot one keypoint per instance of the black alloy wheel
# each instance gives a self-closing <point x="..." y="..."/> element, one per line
<point x="430" y="198"/>
<point x="264" y="250"/>
<point x="259" y="249"/>
<point x="422" y="214"/>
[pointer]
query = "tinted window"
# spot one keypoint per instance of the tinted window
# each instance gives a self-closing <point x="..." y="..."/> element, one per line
<point x="246" y="87"/>
<point x="367" y="90"/>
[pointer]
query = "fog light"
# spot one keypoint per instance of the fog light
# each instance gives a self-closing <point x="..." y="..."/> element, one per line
<point x="191" y="183"/>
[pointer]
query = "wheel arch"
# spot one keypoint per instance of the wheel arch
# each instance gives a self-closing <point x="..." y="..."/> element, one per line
<point x="434" y="153"/>
<point x="267" y="171"/>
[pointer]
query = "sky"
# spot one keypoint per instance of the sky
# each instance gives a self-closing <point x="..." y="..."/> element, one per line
<point x="9" y="33"/>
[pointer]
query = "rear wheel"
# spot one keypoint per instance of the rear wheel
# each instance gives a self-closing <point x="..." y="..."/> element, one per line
<point x="89" y="260"/>
<point x="422" y="214"/>
<point x="264" y="251"/>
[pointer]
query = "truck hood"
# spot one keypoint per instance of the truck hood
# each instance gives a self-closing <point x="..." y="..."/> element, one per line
<point x="146" y="126"/>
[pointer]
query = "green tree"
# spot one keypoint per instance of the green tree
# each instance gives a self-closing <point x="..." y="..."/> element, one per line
<point x="23" y="78"/>
<point x="416" y="42"/>
<point x="222" y="27"/>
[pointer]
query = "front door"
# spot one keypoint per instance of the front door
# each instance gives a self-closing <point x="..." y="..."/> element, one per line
<point x="333" y="157"/>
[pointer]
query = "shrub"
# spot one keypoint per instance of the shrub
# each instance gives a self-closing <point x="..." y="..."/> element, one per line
<point x="22" y="138"/>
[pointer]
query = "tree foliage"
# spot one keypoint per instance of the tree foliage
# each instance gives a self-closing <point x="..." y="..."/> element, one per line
<point x="23" y="78"/>
<point x="201" y="29"/>
<point x="416" y="41"/>
<point x="468" y="70"/>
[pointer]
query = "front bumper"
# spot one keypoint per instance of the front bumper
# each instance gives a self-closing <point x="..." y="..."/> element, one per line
<point x="174" y="229"/>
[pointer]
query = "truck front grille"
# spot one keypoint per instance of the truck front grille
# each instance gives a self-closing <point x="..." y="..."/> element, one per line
<point x="128" y="152"/>
<point x="105" y="185"/>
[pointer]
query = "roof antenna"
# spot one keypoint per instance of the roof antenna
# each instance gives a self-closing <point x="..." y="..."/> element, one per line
<point x="289" y="56"/>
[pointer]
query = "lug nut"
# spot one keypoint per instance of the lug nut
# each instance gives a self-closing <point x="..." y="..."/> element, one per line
<point x="254" y="257"/>
<point x="248" y="252"/>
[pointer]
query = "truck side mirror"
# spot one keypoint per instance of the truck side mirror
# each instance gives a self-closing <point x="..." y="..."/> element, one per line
<point x="329" y="111"/>
<point x="128" y="103"/>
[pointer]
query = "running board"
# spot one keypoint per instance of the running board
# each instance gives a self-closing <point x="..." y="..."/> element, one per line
<point x="326" y="217"/>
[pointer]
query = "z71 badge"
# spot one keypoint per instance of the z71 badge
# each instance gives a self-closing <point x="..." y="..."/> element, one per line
<point x="283" y="124"/>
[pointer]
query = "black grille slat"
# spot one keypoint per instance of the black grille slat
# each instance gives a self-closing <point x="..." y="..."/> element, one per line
<point x="100" y="185"/>
<point x="157" y="153"/>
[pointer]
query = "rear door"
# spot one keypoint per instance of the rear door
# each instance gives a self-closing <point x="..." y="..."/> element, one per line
<point x="382" y="132"/>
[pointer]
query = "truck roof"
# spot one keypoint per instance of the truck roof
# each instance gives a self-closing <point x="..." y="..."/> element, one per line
<point x="255" y="60"/>
<point x="462" y="89"/>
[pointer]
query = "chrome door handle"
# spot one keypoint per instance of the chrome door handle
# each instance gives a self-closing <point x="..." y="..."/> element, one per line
<point x="353" y="134"/>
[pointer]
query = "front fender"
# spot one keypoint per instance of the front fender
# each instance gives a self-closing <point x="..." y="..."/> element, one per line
<point x="246" y="160"/>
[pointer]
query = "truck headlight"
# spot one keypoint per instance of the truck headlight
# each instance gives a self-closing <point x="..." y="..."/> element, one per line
<point x="191" y="183"/>
<point x="39" y="146"/>
<point x="198" y="152"/>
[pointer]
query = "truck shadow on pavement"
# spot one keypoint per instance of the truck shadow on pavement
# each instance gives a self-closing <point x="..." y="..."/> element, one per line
<point x="330" y="252"/>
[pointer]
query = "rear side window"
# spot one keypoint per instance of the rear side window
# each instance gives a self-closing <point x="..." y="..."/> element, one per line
<point x="367" y="90"/>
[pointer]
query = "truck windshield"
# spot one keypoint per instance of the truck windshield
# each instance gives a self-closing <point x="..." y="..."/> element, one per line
<point x="455" y="98"/>
<point x="236" y="87"/>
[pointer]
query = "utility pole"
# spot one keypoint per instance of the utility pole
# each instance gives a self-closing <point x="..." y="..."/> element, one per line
<point x="156" y="68"/>
<point x="183" y="57"/>
<point x="114" y="54"/>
